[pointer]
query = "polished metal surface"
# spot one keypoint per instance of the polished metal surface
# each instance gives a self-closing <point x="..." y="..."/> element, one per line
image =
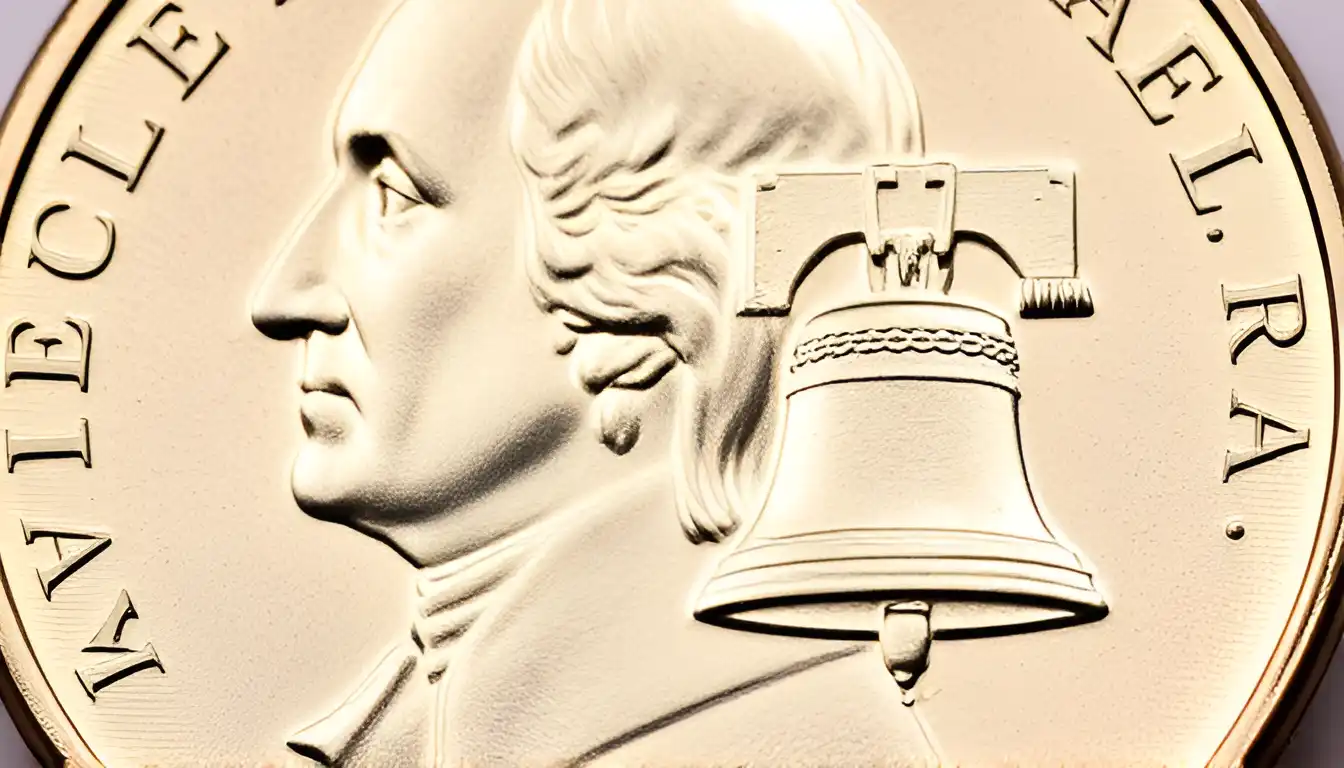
<point x="798" y="383"/>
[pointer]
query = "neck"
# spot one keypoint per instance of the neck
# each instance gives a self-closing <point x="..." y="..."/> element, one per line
<point x="455" y="594"/>
<point x="535" y="495"/>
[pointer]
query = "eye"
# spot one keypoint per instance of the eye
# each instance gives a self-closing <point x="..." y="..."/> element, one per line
<point x="397" y="195"/>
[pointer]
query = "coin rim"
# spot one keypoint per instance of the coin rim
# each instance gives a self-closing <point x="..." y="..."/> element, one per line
<point x="1278" y="702"/>
<point x="1312" y="635"/>
<point x="37" y="713"/>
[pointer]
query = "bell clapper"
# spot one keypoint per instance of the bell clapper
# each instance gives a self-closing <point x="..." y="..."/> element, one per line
<point x="906" y="638"/>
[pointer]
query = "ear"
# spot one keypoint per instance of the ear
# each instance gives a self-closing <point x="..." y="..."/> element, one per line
<point x="619" y="371"/>
<point x="634" y="362"/>
<point x="619" y="419"/>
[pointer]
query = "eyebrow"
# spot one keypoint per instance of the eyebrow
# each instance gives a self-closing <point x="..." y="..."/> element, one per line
<point x="370" y="148"/>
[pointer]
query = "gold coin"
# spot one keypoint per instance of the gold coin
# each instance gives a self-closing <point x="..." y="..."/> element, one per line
<point x="635" y="382"/>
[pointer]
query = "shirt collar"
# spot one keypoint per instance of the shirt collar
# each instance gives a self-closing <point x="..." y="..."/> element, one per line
<point x="450" y="598"/>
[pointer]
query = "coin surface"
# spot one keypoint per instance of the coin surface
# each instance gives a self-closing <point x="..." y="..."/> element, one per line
<point x="624" y="382"/>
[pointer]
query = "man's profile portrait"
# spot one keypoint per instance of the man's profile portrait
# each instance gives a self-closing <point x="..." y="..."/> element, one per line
<point x="523" y="370"/>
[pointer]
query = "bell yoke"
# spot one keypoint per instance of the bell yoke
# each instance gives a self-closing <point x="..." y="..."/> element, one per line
<point x="900" y="509"/>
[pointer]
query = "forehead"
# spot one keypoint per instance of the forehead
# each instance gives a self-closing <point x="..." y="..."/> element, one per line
<point x="438" y="75"/>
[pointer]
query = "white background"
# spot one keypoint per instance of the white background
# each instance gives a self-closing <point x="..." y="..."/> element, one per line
<point x="1313" y="30"/>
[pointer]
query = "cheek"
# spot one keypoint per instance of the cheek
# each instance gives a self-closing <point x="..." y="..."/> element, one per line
<point x="411" y="279"/>
<point x="441" y="301"/>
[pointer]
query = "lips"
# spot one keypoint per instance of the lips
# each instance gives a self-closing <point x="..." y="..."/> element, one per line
<point x="327" y="411"/>
<point x="327" y="386"/>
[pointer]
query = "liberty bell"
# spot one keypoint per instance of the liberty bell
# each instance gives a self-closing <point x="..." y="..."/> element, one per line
<point x="900" y="508"/>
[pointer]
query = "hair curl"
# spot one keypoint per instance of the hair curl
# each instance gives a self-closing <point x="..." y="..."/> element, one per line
<point x="637" y="124"/>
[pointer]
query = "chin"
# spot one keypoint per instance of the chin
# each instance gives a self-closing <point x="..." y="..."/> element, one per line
<point x="327" y="482"/>
<point x="335" y="484"/>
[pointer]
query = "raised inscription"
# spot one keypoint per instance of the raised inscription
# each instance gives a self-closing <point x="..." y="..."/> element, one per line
<point x="172" y="54"/>
<point x="108" y="639"/>
<point x="1276" y="312"/>
<point x="75" y="548"/>
<point x="45" y="447"/>
<point x="58" y="349"/>
<point x="76" y="266"/>
<point x="1112" y="11"/>
<point x="1167" y="67"/>
<point x="97" y="677"/>
<point x="1287" y="332"/>
<point x="129" y="171"/>
<point x="1192" y="169"/>
<point x="51" y="351"/>
<point x="1264" y="450"/>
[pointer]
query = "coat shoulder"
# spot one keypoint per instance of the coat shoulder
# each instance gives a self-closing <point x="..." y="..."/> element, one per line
<point x="596" y="658"/>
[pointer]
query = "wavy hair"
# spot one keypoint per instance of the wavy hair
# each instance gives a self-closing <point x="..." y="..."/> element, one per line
<point x="636" y="124"/>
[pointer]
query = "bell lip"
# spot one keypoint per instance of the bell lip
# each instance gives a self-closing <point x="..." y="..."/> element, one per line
<point x="1073" y="613"/>
<point x="908" y="545"/>
<point x="936" y="566"/>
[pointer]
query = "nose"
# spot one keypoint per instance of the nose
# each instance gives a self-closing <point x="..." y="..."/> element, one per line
<point x="299" y="295"/>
